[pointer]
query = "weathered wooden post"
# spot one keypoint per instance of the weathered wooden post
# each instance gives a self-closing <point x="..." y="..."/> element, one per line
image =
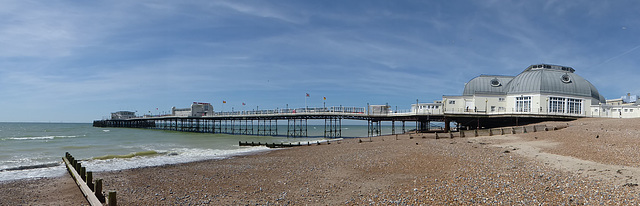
<point x="513" y="130"/>
<point x="112" y="199"/>
<point x="77" y="166"/>
<point x="97" y="190"/>
<point x="437" y="136"/>
<point x="461" y="133"/>
<point x="490" y="132"/>
<point x="450" y="134"/>
<point x="501" y="131"/>
<point x="396" y="136"/>
<point x="524" y="129"/>
<point x="90" y="180"/>
<point x="83" y="173"/>
<point x="476" y="132"/>
<point x="534" y="128"/>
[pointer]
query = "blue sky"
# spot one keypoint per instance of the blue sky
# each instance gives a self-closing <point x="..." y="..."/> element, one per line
<point x="76" y="61"/>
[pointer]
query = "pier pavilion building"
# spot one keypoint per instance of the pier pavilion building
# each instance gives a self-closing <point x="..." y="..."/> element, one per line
<point x="119" y="115"/>
<point x="197" y="109"/>
<point x="540" y="89"/>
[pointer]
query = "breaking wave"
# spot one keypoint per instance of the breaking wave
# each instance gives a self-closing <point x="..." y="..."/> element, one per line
<point x="130" y="155"/>
<point x="40" y="138"/>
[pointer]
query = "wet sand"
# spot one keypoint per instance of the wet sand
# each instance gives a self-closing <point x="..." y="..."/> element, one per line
<point x="568" y="166"/>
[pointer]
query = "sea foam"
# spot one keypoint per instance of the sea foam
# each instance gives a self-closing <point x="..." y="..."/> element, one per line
<point x="158" y="158"/>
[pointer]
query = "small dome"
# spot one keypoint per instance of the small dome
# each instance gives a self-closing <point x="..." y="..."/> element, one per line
<point x="487" y="84"/>
<point x="552" y="79"/>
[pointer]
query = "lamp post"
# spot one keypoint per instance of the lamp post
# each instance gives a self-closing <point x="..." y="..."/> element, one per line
<point x="486" y="101"/>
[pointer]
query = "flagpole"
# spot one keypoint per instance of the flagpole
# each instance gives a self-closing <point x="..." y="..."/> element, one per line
<point x="305" y="102"/>
<point x="324" y="102"/>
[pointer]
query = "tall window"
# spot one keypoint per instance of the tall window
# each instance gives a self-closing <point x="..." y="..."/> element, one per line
<point x="574" y="106"/>
<point x="565" y="105"/>
<point x="523" y="104"/>
<point x="556" y="104"/>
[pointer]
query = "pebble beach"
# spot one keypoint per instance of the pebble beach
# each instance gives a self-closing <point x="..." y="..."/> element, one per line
<point x="591" y="161"/>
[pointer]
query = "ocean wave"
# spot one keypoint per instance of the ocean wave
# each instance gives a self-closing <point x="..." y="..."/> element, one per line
<point x="32" y="138"/>
<point x="173" y="156"/>
<point x="76" y="147"/>
<point x="41" y="137"/>
<point x="27" y="167"/>
<point x="70" y="136"/>
<point x="127" y="156"/>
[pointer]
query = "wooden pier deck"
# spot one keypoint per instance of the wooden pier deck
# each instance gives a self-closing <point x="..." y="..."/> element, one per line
<point x="266" y="123"/>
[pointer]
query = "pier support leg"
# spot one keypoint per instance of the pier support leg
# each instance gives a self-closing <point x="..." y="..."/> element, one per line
<point x="447" y="126"/>
<point x="393" y="127"/>
<point x="403" y="130"/>
<point x="424" y="126"/>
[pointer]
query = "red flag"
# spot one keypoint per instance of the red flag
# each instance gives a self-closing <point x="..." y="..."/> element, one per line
<point x="224" y="102"/>
<point x="307" y="94"/>
<point x="243" y="104"/>
<point x="325" y="98"/>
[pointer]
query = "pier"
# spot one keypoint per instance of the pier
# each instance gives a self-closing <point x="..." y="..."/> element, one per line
<point x="265" y="122"/>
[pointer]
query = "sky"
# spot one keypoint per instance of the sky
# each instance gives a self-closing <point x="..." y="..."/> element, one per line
<point x="78" y="61"/>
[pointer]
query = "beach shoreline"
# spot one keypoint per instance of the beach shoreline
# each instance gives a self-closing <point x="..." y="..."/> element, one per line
<point x="503" y="169"/>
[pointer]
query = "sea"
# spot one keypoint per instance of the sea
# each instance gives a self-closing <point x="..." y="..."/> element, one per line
<point x="33" y="150"/>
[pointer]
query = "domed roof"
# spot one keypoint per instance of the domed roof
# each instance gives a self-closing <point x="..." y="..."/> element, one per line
<point x="552" y="79"/>
<point x="487" y="84"/>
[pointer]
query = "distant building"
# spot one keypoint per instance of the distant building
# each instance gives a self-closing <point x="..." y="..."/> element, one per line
<point x="427" y="108"/>
<point x="123" y="115"/>
<point x="379" y="109"/>
<point x="196" y="109"/>
<point x="625" y="107"/>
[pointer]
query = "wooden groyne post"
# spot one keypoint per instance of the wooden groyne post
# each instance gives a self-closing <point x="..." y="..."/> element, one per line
<point x="80" y="175"/>
<point x="282" y="145"/>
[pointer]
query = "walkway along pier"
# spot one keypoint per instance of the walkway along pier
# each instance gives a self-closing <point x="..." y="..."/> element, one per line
<point x="265" y="123"/>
